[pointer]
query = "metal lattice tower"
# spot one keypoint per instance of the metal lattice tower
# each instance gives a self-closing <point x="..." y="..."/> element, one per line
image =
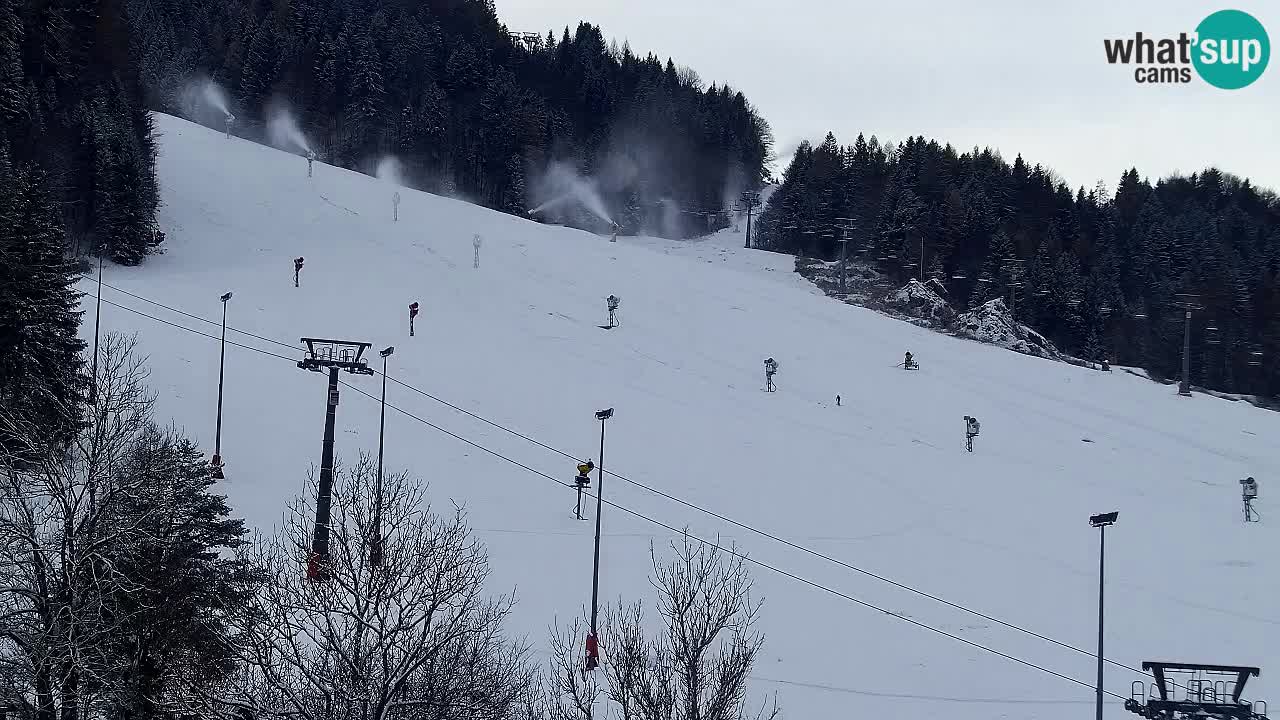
<point x="1017" y="270"/>
<point x="1188" y="303"/>
<point x="845" y="226"/>
<point x="747" y="203"/>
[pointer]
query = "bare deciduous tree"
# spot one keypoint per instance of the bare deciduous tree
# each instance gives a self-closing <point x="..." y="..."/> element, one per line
<point x="58" y="520"/>
<point x="413" y="638"/>
<point x="696" y="669"/>
<point x="573" y="693"/>
<point x="112" y="572"/>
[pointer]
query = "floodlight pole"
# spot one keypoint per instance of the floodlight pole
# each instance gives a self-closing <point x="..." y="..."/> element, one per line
<point x="375" y="544"/>
<point x="222" y="360"/>
<point x="97" y="322"/>
<point x="1102" y="559"/>
<point x="1101" y="522"/>
<point x="592" y="640"/>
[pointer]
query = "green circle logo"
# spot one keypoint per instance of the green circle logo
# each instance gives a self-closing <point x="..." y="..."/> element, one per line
<point x="1232" y="49"/>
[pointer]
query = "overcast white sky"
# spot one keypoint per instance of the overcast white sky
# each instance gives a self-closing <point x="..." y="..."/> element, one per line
<point x="1022" y="76"/>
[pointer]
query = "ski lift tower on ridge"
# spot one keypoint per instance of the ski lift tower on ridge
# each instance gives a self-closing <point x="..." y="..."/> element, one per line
<point x="845" y="226"/>
<point x="1200" y="691"/>
<point x="1188" y="303"/>
<point x="334" y="356"/>
<point x="748" y="201"/>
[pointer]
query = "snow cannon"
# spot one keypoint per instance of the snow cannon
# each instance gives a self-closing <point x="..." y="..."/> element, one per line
<point x="584" y="478"/>
<point x="1250" y="488"/>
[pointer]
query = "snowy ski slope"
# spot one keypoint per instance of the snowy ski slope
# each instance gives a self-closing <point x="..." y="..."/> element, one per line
<point x="882" y="483"/>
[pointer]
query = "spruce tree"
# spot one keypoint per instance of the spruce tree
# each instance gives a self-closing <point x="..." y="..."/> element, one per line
<point x="261" y="64"/>
<point x="183" y="575"/>
<point x="41" y="367"/>
<point x="12" y="90"/>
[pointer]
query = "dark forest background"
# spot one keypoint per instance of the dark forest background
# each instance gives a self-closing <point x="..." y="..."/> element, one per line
<point x="1098" y="273"/>
<point x="131" y="591"/>
<point x="470" y="109"/>
<point x="475" y="111"/>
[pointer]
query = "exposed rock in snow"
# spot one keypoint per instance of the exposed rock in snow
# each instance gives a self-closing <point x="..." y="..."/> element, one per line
<point x="992" y="323"/>
<point x="920" y="300"/>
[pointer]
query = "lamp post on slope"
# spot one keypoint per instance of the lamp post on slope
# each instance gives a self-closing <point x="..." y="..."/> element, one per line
<point x="375" y="540"/>
<point x="593" y="647"/>
<point x="1101" y="522"/>
<point x="97" y="323"/>
<point x="222" y="360"/>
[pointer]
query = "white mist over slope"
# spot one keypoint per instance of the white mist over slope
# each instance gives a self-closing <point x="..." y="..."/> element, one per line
<point x="882" y="482"/>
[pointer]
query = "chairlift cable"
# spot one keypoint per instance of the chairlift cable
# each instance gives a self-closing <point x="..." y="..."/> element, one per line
<point x="762" y="533"/>
<point x="712" y="544"/>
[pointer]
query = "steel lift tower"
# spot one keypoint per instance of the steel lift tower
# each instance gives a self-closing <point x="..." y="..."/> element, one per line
<point x="334" y="356"/>
<point x="1183" y="691"/>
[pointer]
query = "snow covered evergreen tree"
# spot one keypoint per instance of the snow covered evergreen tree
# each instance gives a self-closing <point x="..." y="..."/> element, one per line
<point x="115" y="584"/>
<point x="41" y="378"/>
<point x="1103" y="271"/>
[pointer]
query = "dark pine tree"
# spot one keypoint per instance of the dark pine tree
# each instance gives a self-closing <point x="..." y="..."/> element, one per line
<point x="183" y="575"/>
<point x="1098" y="274"/>
<point x="41" y="368"/>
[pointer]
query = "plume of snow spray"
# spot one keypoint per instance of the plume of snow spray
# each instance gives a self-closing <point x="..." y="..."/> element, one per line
<point x="214" y="96"/>
<point x="671" y="221"/>
<point x="202" y="100"/>
<point x="282" y="130"/>
<point x="389" y="171"/>
<point x="561" y="184"/>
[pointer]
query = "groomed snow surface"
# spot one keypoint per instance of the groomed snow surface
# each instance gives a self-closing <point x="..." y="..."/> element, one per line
<point x="883" y="483"/>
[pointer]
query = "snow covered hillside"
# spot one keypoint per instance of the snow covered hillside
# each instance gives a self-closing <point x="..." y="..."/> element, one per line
<point x="882" y="483"/>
